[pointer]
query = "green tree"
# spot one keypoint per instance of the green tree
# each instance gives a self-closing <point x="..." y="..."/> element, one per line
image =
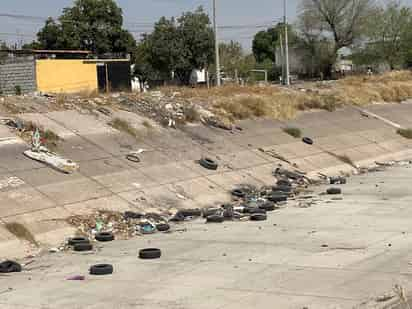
<point x="266" y="42"/>
<point x="233" y="59"/>
<point x="180" y="45"/>
<point x="388" y="35"/>
<point x="336" y="24"/>
<point x="94" y="25"/>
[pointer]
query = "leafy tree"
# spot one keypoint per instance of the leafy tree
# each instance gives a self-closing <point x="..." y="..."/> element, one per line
<point x="180" y="46"/>
<point x="339" y="23"/>
<point x="388" y="34"/>
<point x="94" y="25"/>
<point x="266" y="42"/>
<point x="233" y="58"/>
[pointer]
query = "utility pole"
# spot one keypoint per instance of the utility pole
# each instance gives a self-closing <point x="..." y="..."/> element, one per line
<point x="282" y="58"/>
<point x="287" y="73"/>
<point x="217" y="60"/>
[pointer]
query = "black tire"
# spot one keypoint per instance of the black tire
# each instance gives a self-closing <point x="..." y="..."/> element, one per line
<point x="239" y="193"/>
<point x="337" y="180"/>
<point x="178" y="217"/>
<point x="215" y="219"/>
<point x="104" y="236"/>
<point x="10" y="267"/>
<point x="255" y="210"/>
<point x="162" y="227"/>
<point x="333" y="191"/>
<point x="191" y="212"/>
<point x="83" y="247"/>
<point x="210" y="211"/>
<point x="78" y="240"/>
<point x="268" y="206"/>
<point x="286" y="189"/>
<point x="258" y="217"/>
<point x="208" y="164"/>
<point x="283" y="182"/>
<point x="132" y="215"/>
<point x="276" y="198"/>
<point x="133" y="158"/>
<point x="150" y="253"/>
<point x="307" y="140"/>
<point x="101" y="269"/>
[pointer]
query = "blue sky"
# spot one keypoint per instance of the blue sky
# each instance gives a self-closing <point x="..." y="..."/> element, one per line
<point x="253" y="13"/>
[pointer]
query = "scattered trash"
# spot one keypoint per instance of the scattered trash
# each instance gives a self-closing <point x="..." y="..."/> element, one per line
<point x="338" y="180"/>
<point x="76" y="278"/>
<point x="150" y="253"/>
<point x="101" y="269"/>
<point x="208" y="163"/>
<point x="10" y="267"/>
<point x="147" y="228"/>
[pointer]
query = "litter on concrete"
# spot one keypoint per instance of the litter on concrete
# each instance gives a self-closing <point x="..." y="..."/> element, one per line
<point x="44" y="155"/>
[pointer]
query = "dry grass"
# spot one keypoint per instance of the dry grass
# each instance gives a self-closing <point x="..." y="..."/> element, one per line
<point x="295" y="132"/>
<point x="124" y="126"/>
<point x="236" y="102"/>
<point x="406" y="133"/>
<point x="21" y="232"/>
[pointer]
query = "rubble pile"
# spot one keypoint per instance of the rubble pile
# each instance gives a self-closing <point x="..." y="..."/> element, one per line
<point x="124" y="225"/>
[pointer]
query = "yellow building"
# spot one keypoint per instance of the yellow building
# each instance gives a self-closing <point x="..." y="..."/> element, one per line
<point x="61" y="75"/>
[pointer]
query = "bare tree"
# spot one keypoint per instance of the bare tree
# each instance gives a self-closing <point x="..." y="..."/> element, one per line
<point x="339" y="21"/>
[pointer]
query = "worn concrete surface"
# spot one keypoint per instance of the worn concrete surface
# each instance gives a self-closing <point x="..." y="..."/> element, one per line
<point x="336" y="254"/>
<point x="107" y="180"/>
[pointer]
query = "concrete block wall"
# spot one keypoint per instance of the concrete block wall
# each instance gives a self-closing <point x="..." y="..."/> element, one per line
<point x="22" y="73"/>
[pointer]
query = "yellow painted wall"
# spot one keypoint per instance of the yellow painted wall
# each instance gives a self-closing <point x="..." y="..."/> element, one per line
<point x="65" y="75"/>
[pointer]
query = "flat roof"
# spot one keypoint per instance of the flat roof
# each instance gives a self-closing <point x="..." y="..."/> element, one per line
<point x="45" y="51"/>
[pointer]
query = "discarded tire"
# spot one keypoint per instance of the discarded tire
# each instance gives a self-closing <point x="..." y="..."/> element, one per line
<point x="150" y="253"/>
<point x="286" y="189"/>
<point x="210" y="211"/>
<point x="101" y="269"/>
<point x="10" y="267"/>
<point x="133" y="158"/>
<point x="333" y="191"/>
<point x="283" y="182"/>
<point x="268" y="206"/>
<point x="258" y="217"/>
<point x="132" y="215"/>
<point x="78" y="240"/>
<point x="254" y="210"/>
<point x="83" y="247"/>
<point x="104" y="236"/>
<point x="276" y="198"/>
<point x="239" y="193"/>
<point x="191" y="212"/>
<point x="337" y="180"/>
<point x="307" y="140"/>
<point x="208" y="163"/>
<point x="215" y="219"/>
<point x="163" y="227"/>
